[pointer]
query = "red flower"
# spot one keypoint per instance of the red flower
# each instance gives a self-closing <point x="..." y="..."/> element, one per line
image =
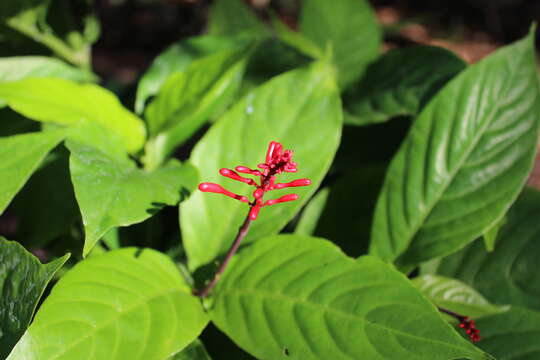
<point x="276" y="163"/>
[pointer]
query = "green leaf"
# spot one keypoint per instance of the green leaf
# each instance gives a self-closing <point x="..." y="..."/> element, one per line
<point x="22" y="282"/>
<point x="113" y="192"/>
<point x="176" y="58"/>
<point x="21" y="67"/>
<point x="231" y="17"/>
<point x="194" y="351"/>
<point x="296" y="39"/>
<point x="511" y="335"/>
<point x="466" y="157"/>
<point x="20" y="155"/>
<point x="456" y="296"/>
<point x="46" y="207"/>
<point x="296" y="297"/>
<point x="508" y="275"/>
<point x="294" y="109"/>
<point x="188" y="98"/>
<point x="490" y="236"/>
<point x="63" y="102"/>
<point x="125" y="304"/>
<point x="312" y="213"/>
<point x="349" y="27"/>
<point x="399" y="83"/>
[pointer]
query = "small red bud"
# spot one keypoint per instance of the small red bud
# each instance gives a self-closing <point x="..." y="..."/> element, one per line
<point x="257" y="194"/>
<point x="246" y="170"/>
<point x="284" y="198"/>
<point x="299" y="182"/>
<point x="254" y="212"/>
<point x="218" y="189"/>
<point x="232" y="175"/>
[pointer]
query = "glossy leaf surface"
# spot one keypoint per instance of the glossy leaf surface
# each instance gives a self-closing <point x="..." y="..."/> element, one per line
<point x="176" y="58"/>
<point x="21" y="155"/>
<point x="454" y="295"/>
<point x="296" y="297"/>
<point x="512" y="335"/>
<point x="301" y="109"/>
<point x="508" y="275"/>
<point x="22" y="282"/>
<point x="126" y="195"/>
<point x="67" y="103"/>
<point x="125" y="304"/>
<point x="467" y="155"/>
<point x="399" y="83"/>
<point x="188" y="98"/>
<point x="333" y="23"/>
<point x="21" y="67"/>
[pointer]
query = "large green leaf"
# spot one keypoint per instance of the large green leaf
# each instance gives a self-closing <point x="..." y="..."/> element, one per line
<point x="454" y="295"/>
<point x="399" y="83"/>
<point x="296" y="297"/>
<point x="508" y="275"/>
<point x="231" y="17"/>
<point x="464" y="161"/>
<point x="46" y="207"/>
<point x="302" y="110"/>
<point x="125" y="304"/>
<point x="113" y="192"/>
<point x="22" y="282"/>
<point x="63" y="102"/>
<point x="188" y="98"/>
<point x="176" y="58"/>
<point x="512" y="335"/>
<point x="22" y="67"/>
<point x="349" y="27"/>
<point x="20" y="155"/>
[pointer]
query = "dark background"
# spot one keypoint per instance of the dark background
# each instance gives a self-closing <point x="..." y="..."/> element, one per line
<point x="135" y="31"/>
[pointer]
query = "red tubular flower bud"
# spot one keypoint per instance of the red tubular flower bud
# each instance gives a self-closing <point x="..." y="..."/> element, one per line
<point x="246" y="170"/>
<point x="232" y="175"/>
<point x="218" y="189"/>
<point x="254" y="212"/>
<point x="299" y="182"/>
<point x="284" y="198"/>
<point x="257" y="194"/>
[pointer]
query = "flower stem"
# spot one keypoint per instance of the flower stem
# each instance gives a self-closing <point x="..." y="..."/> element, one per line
<point x="79" y="58"/>
<point x="242" y="232"/>
<point x="451" y="313"/>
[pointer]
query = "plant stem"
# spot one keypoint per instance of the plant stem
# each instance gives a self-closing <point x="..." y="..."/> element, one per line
<point x="451" y="313"/>
<point x="80" y="59"/>
<point x="242" y="232"/>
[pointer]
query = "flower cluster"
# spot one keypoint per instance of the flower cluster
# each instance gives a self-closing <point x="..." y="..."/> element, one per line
<point x="277" y="161"/>
<point x="470" y="328"/>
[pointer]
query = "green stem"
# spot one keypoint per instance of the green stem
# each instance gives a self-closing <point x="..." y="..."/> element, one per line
<point x="80" y="59"/>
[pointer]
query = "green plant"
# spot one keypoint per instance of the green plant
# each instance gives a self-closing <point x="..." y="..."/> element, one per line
<point x="416" y="214"/>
